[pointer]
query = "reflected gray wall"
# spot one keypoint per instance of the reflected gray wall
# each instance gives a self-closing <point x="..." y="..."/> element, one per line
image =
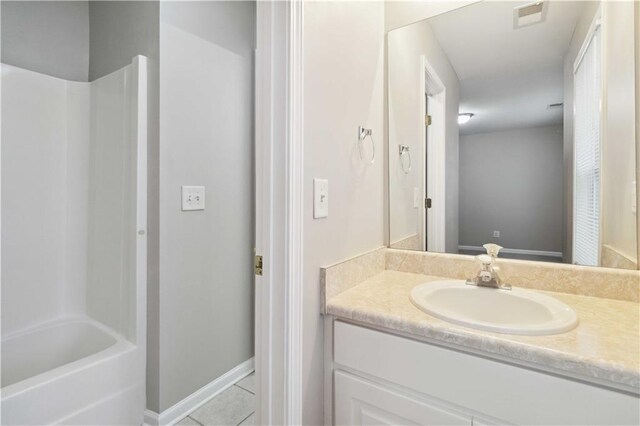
<point x="512" y="182"/>
<point x="47" y="37"/>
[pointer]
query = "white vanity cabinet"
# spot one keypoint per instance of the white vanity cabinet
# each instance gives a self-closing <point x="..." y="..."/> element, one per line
<point x="363" y="402"/>
<point x="382" y="378"/>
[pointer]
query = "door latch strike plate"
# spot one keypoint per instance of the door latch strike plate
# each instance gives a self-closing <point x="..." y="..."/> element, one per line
<point x="257" y="264"/>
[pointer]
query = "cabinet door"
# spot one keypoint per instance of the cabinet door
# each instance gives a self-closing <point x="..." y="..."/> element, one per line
<point x="360" y="402"/>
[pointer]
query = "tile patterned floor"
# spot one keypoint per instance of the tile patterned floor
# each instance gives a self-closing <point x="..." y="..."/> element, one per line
<point x="235" y="406"/>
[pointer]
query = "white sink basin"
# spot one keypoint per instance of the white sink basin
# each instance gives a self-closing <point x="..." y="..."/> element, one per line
<point x="514" y="311"/>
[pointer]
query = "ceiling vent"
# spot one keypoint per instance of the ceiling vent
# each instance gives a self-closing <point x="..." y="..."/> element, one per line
<point x="529" y="14"/>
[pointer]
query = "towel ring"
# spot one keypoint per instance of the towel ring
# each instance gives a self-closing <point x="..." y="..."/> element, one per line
<point x="362" y="135"/>
<point x="403" y="150"/>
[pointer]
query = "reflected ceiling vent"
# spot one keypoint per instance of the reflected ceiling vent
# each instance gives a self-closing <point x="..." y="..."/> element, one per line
<point x="529" y="14"/>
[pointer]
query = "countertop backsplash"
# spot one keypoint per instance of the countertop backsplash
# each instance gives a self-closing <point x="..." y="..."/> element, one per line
<point x="617" y="284"/>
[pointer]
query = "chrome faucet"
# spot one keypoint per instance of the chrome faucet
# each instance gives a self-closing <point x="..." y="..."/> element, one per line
<point x="488" y="275"/>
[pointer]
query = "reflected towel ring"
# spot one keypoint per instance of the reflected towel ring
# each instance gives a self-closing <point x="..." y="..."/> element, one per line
<point x="403" y="150"/>
<point x="362" y="135"/>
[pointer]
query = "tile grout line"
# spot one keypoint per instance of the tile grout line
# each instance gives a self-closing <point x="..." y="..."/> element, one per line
<point x="244" y="389"/>
<point x="189" y="416"/>
<point x="246" y="418"/>
<point x="212" y="399"/>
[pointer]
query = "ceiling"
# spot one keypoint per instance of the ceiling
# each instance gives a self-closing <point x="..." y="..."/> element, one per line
<point x="508" y="76"/>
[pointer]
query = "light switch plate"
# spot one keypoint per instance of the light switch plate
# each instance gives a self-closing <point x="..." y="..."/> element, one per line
<point x="416" y="198"/>
<point x="634" y="197"/>
<point x="192" y="198"/>
<point x="320" y="198"/>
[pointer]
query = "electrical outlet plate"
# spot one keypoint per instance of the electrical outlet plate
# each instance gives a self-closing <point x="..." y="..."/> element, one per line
<point x="192" y="198"/>
<point x="496" y="234"/>
<point x="416" y="198"/>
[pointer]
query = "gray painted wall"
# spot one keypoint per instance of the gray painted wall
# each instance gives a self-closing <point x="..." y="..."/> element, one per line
<point x="512" y="182"/>
<point x="119" y="31"/>
<point x="47" y="37"/>
<point x="206" y="138"/>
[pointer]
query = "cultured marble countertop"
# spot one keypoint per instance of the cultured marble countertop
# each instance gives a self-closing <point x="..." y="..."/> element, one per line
<point x="604" y="348"/>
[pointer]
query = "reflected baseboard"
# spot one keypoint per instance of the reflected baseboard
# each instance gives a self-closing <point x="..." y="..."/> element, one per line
<point x="556" y="255"/>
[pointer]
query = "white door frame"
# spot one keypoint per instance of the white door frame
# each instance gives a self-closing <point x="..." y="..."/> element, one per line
<point x="637" y="50"/>
<point x="434" y="141"/>
<point x="279" y="212"/>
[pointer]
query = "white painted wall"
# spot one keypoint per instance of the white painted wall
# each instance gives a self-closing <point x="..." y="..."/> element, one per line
<point x="618" y="164"/>
<point x="511" y="181"/>
<point x="619" y="150"/>
<point x="407" y="46"/>
<point x="343" y="88"/>
<point x="637" y="55"/>
<point x="399" y="13"/>
<point x="206" y="138"/>
<point x="50" y="37"/>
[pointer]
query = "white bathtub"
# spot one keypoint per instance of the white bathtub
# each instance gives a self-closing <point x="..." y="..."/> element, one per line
<point x="44" y="348"/>
<point x="72" y="371"/>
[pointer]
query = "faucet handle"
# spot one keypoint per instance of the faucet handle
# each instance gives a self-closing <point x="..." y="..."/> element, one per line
<point x="484" y="260"/>
<point x="492" y="250"/>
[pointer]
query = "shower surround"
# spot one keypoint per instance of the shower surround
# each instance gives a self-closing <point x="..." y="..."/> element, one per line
<point x="74" y="247"/>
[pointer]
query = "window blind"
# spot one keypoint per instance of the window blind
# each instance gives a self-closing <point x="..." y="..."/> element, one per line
<point x="587" y="100"/>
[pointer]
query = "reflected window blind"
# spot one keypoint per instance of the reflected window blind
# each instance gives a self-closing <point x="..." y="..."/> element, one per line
<point x="587" y="98"/>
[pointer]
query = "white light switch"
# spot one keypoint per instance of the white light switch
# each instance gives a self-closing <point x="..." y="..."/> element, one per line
<point x="320" y="198"/>
<point x="416" y="198"/>
<point x="192" y="198"/>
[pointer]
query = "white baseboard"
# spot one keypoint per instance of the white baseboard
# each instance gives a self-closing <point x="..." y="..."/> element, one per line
<point x="181" y="409"/>
<point x="151" y="418"/>
<point x="516" y="251"/>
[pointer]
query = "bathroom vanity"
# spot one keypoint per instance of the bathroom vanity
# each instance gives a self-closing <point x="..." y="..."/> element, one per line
<point x="387" y="362"/>
<point x="507" y="123"/>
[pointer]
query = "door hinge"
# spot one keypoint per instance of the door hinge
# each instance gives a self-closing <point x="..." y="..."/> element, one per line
<point x="427" y="120"/>
<point x="427" y="203"/>
<point x="257" y="264"/>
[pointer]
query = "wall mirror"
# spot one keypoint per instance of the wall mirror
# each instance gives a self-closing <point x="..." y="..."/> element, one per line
<point x="514" y="123"/>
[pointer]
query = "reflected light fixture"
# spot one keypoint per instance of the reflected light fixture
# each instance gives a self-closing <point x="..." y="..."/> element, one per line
<point x="464" y="117"/>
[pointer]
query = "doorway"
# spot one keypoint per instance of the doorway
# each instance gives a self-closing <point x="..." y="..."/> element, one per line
<point x="432" y="219"/>
<point x="426" y="205"/>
